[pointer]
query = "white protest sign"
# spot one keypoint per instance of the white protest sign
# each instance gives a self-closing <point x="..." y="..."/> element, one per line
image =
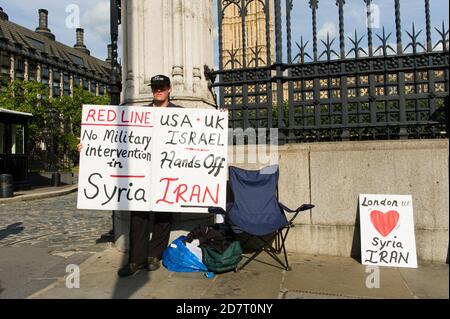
<point x="387" y="230"/>
<point x="115" y="161"/>
<point x="190" y="160"/>
<point x="152" y="159"/>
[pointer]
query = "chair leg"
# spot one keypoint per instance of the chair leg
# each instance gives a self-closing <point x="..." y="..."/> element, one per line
<point x="250" y="259"/>
<point x="271" y="251"/>
<point x="275" y="257"/>
<point x="280" y="239"/>
<point x="278" y="242"/>
<point x="279" y="246"/>
<point x="288" y="268"/>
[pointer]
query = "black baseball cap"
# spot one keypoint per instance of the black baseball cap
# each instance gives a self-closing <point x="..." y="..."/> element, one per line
<point x="159" y="81"/>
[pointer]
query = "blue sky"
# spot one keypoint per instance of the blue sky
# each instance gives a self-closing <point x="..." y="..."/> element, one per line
<point x="94" y="18"/>
<point x="412" y="11"/>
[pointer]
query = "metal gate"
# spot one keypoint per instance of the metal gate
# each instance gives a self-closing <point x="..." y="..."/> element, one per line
<point x="330" y="92"/>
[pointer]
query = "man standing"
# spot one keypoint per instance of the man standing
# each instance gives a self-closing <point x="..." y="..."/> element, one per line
<point x="145" y="254"/>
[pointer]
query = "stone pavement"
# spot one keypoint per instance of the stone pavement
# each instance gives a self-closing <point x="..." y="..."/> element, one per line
<point x="53" y="223"/>
<point x="312" y="277"/>
<point x="40" y="238"/>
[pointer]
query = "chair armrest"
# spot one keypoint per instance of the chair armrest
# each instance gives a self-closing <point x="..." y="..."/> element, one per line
<point x="216" y="210"/>
<point x="299" y="209"/>
<point x="219" y="210"/>
<point x="305" y="207"/>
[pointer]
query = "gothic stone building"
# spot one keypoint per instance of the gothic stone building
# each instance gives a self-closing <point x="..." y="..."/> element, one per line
<point x="36" y="55"/>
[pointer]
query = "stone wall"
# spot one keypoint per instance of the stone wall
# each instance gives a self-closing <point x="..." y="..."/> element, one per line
<point x="332" y="175"/>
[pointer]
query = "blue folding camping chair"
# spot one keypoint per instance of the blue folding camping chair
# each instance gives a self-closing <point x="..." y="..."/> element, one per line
<point x="255" y="214"/>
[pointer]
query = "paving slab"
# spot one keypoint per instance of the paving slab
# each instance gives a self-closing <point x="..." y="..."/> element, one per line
<point x="311" y="277"/>
<point x="342" y="276"/>
<point x="25" y="270"/>
<point x="429" y="280"/>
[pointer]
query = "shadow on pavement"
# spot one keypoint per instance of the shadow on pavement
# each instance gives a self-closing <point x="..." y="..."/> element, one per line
<point x="12" y="229"/>
<point x="124" y="288"/>
<point x="127" y="286"/>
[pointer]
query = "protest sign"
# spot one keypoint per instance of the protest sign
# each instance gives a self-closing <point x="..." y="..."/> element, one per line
<point x="115" y="161"/>
<point x="152" y="159"/>
<point x="190" y="160"/>
<point x="387" y="230"/>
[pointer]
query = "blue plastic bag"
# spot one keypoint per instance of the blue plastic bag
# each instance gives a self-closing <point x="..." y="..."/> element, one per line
<point x="178" y="258"/>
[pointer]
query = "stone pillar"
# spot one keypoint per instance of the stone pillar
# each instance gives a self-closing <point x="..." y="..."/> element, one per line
<point x="61" y="83"/>
<point x="71" y="84"/>
<point x="170" y="37"/>
<point x="25" y="72"/>
<point x="50" y="81"/>
<point x="179" y="45"/>
<point x="38" y="72"/>
<point x="12" y="63"/>
<point x="177" y="68"/>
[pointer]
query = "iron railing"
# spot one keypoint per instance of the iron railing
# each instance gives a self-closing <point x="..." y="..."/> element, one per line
<point x="369" y="91"/>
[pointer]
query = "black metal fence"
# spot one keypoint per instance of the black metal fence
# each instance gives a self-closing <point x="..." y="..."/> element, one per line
<point x="370" y="91"/>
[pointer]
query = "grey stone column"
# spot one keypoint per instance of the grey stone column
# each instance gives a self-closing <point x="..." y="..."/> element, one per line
<point x="25" y="72"/>
<point x="179" y="45"/>
<point x="38" y="72"/>
<point x="177" y="68"/>
<point x="50" y="81"/>
<point x="12" y="62"/>
<point x="171" y="37"/>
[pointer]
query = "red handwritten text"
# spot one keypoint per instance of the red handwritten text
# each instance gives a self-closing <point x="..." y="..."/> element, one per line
<point x="105" y="116"/>
<point x="175" y="193"/>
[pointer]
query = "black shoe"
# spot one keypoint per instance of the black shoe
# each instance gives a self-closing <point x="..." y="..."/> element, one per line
<point x="153" y="264"/>
<point x="130" y="269"/>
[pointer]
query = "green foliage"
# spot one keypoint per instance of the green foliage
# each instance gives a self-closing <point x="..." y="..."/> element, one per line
<point x="64" y="128"/>
<point x="30" y="97"/>
<point x="70" y="109"/>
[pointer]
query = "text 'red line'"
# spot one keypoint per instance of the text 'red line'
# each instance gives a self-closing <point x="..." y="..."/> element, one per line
<point x="128" y="176"/>
<point x="128" y="125"/>
<point x="197" y="149"/>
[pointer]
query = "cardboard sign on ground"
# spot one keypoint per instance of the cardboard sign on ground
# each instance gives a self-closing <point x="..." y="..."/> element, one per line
<point x="387" y="230"/>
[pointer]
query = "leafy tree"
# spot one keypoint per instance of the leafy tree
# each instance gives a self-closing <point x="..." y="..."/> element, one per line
<point x="70" y="109"/>
<point x="63" y="128"/>
<point x="30" y="97"/>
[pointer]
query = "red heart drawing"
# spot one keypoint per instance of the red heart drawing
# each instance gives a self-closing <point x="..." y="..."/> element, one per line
<point x="384" y="223"/>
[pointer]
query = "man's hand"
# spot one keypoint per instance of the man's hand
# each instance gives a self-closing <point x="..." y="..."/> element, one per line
<point x="79" y="147"/>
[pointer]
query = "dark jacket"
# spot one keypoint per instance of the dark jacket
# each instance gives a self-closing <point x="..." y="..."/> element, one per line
<point x="170" y="105"/>
<point x="218" y="236"/>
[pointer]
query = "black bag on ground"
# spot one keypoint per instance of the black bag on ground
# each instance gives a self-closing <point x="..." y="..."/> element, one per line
<point x="221" y="251"/>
